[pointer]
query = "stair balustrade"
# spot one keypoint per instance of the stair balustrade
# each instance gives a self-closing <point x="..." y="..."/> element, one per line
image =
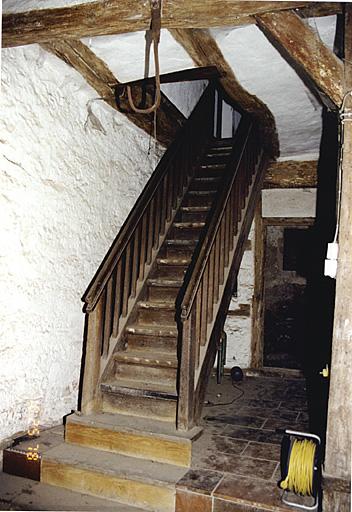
<point x="203" y="302"/>
<point x="112" y="292"/>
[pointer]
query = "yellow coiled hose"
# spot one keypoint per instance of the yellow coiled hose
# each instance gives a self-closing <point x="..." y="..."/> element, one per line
<point x="301" y="468"/>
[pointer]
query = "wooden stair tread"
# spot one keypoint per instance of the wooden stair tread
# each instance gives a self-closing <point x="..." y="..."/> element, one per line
<point x="126" y="423"/>
<point x="201" y="192"/>
<point x="147" y="357"/>
<point x="140" y="388"/>
<point x="187" y="225"/>
<point x="161" y="281"/>
<point x="211" y="179"/>
<point x="184" y="243"/>
<point x="195" y="209"/>
<point x="173" y="261"/>
<point x="149" y="305"/>
<point x="110" y="464"/>
<point x="152" y="330"/>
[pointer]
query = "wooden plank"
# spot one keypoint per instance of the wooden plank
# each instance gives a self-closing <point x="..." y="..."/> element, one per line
<point x="317" y="65"/>
<point x="98" y="75"/>
<point x="339" y="429"/>
<point x="204" y="51"/>
<point x="292" y="174"/>
<point x="107" y="318"/>
<point x="185" y="408"/>
<point x="108" y="17"/>
<point x="117" y="304"/>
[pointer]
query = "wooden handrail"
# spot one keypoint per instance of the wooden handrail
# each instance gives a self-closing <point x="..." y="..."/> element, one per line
<point x="197" y="270"/>
<point x="99" y="281"/>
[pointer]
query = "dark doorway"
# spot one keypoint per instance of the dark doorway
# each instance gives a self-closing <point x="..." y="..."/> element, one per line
<point x="285" y="280"/>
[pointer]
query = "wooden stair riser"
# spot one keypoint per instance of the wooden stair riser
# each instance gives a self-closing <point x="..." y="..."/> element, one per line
<point x="146" y="407"/>
<point x="114" y="487"/>
<point x="206" y="183"/>
<point x="131" y="443"/>
<point x="193" y="216"/>
<point x="209" y="171"/>
<point x="178" y="251"/>
<point x="185" y="233"/>
<point x="166" y="375"/>
<point x="177" y="271"/>
<point x="198" y="199"/>
<point x="158" y="343"/>
<point x="162" y="293"/>
<point x="159" y="316"/>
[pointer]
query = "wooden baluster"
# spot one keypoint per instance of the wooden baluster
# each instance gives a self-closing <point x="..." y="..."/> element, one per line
<point x="204" y="313"/>
<point x="163" y="209"/>
<point x="198" y="323"/>
<point x="169" y="200"/>
<point x="233" y="215"/>
<point x="150" y="230"/>
<point x="107" y="318"/>
<point x="222" y="250"/>
<point x="143" y="246"/>
<point x="216" y="268"/>
<point x="211" y="285"/>
<point x="157" y="219"/>
<point x="126" y="280"/>
<point x="117" y="303"/>
<point x="227" y="230"/>
<point x="135" y="260"/>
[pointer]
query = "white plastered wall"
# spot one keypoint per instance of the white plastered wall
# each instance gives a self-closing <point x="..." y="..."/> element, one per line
<point x="275" y="203"/>
<point x="66" y="188"/>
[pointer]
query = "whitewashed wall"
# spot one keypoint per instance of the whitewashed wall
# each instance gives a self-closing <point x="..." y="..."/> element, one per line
<point x="275" y="203"/>
<point x="66" y="188"/>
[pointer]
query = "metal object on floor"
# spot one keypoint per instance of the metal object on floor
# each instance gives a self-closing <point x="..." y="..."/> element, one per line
<point x="221" y="357"/>
<point x="301" y="468"/>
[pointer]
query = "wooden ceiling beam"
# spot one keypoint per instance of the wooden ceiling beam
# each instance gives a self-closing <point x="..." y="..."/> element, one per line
<point x="98" y="75"/>
<point x="204" y="51"/>
<point x="316" y="64"/>
<point x="108" y="17"/>
<point x="291" y="174"/>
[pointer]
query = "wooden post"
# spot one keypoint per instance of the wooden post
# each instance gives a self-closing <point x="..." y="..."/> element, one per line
<point x="338" y="442"/>
<point x="91" y="360"/>
<point x="258" y="297"/>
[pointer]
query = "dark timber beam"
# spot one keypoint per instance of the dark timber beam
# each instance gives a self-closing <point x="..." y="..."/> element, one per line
<point x="291" y="174"/>
<point x="120" y="16"/>
<point x="317" y="65"/>
<point x="98" y="75"/>
<point x="204" y="51"/>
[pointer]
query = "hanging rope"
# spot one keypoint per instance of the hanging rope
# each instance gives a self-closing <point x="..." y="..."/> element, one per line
<point x="301" y="468"/>
<point x="152" y="36"/>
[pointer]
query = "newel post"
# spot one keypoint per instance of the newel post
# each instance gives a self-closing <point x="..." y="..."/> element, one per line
<point x="185" y="410"/>
<point x="90" y="398"/>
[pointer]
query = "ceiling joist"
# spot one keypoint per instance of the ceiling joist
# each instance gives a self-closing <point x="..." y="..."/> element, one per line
<point x="98" y="75"/>
<point x="109" y="17"/>
<point x="317" y="65"/>
<point x="204" y="51"/>
<point x="292" y="174"/>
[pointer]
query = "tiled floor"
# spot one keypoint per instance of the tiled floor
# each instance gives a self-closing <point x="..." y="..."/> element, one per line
<point x="235" y="465"/>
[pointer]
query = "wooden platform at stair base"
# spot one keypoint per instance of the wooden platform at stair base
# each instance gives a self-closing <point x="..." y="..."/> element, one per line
<point x="135" y="437"/>
<point x="137" y="482"/>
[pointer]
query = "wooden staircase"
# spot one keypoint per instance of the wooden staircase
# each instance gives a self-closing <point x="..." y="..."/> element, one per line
<point x="155" y="311"/>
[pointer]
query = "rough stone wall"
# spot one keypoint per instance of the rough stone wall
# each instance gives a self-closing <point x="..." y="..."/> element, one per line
<point x="238" y="326"/>
<point x="66" y="188"/>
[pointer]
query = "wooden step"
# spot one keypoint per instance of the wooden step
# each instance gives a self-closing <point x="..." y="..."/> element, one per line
<point x="186" y="230"/>
<point x="179" y="248"/>
<point x="140" y="341"/>
<point x="140" y="398"/>
<point x="162" y="289"/>
<point x="199" y="198"/>
<point x="205" y="183"/>
<point x="135" y="437"/>
<point x="148" y="366"/>
<point x="164" y="268"/>
<point x="109" y="475"/>
<point x="193" y="213"/>
<point x="222" y="143"/>
<point x="218" y="166"/>
<point x="156" y="313"/>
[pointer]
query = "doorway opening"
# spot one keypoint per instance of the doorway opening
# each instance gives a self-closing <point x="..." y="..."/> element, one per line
<point x="284" y="298"/>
